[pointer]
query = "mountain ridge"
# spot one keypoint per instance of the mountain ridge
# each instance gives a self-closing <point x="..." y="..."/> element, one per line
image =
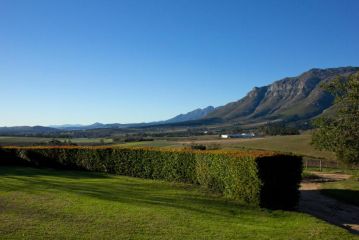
<point x="291" y="97"/>
<point x="192" y="115"/>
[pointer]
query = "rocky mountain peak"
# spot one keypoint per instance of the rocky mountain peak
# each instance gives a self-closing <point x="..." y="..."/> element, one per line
<point x="300" y="96"/>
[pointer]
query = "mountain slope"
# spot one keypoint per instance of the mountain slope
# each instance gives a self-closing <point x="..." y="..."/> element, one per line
<point x="190" y="116"/>
<point x="298" y="97"/>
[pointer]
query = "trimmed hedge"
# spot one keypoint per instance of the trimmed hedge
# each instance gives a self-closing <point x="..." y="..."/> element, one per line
<point x="259" y="178"/>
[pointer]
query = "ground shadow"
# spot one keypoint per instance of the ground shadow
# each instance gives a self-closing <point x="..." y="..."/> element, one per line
<point x="346" y="195"/>
<point x="330" y="210"/>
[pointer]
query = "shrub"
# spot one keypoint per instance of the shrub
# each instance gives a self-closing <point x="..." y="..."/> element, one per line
<point x="198" y="147"/>
<point x="258" y="178"/>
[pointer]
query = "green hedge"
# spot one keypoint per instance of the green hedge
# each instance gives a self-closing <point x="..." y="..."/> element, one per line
<point x="258" y="178"/>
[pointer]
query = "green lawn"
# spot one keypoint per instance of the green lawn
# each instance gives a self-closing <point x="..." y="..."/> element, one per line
<point x="38" y="204"/>
<point x="346" y="190"/>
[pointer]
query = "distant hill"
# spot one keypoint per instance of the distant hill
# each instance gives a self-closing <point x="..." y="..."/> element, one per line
<point x="191" y="116"/>
<point x="97" y="125"/>
<point x="67" y="126"/>
<point x="298" y="97"/>
<point x="26" y="130"/>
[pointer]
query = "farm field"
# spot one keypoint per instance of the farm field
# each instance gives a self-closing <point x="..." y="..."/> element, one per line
<point x="156" y="143"/>
<point x="39" y="203"/>
<point x="298" y="144"/>
<point x="8" y="141"/>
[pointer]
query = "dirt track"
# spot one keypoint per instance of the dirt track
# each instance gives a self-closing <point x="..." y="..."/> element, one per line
<point x="326" y="208"/>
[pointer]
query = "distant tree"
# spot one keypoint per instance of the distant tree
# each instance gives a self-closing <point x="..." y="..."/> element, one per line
<point x="55" y="142"/>
<point x="274" y="129"/>
<point x="340" y="133"/>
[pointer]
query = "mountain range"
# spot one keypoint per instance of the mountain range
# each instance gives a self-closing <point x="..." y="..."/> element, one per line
<point x="291" y="98"/>
<point x="300" y="97"/>
<point x="190" y="116"/>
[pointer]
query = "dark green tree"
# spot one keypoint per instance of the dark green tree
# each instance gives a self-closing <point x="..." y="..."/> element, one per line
<point x="340" y="133"/>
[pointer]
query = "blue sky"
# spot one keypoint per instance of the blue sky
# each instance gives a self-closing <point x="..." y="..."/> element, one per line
<point x="82" y="61"/>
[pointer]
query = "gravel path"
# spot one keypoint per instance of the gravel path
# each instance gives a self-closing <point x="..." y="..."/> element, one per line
<point x="326" y="208"/>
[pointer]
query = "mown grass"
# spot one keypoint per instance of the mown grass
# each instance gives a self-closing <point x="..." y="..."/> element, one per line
<point x="38" y="203"/>
<point x="346" y="190"/>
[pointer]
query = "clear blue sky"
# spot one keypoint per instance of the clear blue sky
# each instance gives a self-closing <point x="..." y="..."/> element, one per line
<point x="82" y="61"/>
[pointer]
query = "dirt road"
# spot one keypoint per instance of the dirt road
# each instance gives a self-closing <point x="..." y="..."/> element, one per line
<point x="326" y="208"/>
